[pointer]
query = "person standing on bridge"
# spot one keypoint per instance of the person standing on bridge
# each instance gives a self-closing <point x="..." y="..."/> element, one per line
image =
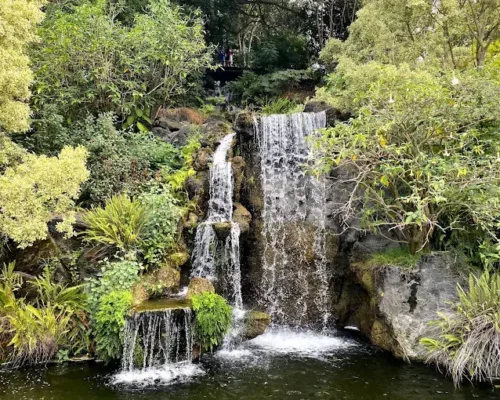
<point x="222" y="57"/>
<point x="230" y="57"/>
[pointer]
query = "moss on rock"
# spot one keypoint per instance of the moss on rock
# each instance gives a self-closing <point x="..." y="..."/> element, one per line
<point x="198" y="286"/>
<point x="255" y="324"/>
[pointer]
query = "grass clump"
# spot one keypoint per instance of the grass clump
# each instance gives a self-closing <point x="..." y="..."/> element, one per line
<point x="468" y="343"/>
<point x="396" y="257"/>
<point x="213" y="319"/>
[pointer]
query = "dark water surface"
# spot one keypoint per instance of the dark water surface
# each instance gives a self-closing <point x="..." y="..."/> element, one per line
<point x="279" y="366"/>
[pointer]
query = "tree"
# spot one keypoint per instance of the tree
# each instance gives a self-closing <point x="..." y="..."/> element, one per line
<point x="90" y="62"/>
<point x="31" y="188"/>
<point x="19" y="18"/>
<point x="452" y="33"/>
<point x="421" y="144"/>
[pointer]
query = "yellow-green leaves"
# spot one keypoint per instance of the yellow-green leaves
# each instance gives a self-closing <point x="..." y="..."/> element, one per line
<point x="18" y="19"/>
<point x="37" y="189"/>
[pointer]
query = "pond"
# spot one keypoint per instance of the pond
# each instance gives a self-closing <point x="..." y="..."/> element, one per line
<point x="281" y="364"/>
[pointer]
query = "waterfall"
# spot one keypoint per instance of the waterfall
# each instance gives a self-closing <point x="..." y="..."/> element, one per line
<point x="158" y="338"/>
<point x="294" y="253"/>
<point x="216" y="254"/>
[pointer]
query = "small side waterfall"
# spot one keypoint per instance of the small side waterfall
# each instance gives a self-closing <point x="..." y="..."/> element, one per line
<point x="158" y="348"/>
<point x="294" y="254"/>
<point x="156" y="338"/>
<point x="216" y="255"/>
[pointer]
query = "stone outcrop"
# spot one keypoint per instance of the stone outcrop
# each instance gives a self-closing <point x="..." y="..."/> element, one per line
<point x="400" y="303"/>
<point x="254" y="324"/>
<point x="242" y="217"/>
<point x="198" y="286"/>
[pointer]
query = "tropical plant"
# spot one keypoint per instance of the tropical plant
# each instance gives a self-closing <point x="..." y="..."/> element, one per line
<point x="467" y="343"/>
<point x="109" y="323"/>
<point x="121" y="223"/>
<point x="37" y="333"/>
<point x="212" y="319"/>
<point x="32" y="333"/>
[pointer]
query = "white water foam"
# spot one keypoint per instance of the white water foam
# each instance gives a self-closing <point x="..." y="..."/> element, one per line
<point x="299" y="343"/>
<point x="167" y="374"/>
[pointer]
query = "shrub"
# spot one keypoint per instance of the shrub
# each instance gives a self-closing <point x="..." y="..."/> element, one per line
<point x="213" y="319"/>
<point x="35" y="189"/>
<point x="109" y="323"/>
<point x="468" y="343"/>
<point x="118" y="160"/>
<point x="160" y="231"/>
<point x="121" y="223"/>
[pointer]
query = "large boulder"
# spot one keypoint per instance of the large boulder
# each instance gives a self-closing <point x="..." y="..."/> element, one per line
<point x="163" y="281"/>
<point x="402" y="302"/>
<point x="254" y="324"/>
<point x="199" y="285"/>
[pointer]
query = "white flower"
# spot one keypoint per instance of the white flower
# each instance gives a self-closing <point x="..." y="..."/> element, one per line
<point x="455" y="81"/>
<point x="391" y="100"/>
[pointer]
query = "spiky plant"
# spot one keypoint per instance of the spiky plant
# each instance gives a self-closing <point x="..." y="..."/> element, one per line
<point x="468" y="343"/>
<point x="121" y="223"/>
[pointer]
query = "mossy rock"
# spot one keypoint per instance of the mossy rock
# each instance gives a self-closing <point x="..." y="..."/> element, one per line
<point x="199" y="285"/>
<point x="242" y="217"/>
<point x="178" y="259"/>
<point x="381" y="335"/>
<point x="223" y="229"/>
<point x="163" y="281"/>
<point x="255" y="324"/>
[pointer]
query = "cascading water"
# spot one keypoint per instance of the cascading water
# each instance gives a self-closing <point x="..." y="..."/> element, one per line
<point x="294" y="210"/>
<point x="158" y="346"/>
<point x="214" y="257"/>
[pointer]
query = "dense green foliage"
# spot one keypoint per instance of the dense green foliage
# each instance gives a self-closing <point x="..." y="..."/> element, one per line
<point x="213" y="319"/>
<point x="161" y="227"/>
<point x="110" y="299"/>
<point x="90" y="62"/>
<point x="468" y="343"/>
<point x="253" y="89"/>
<point x="109" y="323"/>
<point x="118" y="160"/>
